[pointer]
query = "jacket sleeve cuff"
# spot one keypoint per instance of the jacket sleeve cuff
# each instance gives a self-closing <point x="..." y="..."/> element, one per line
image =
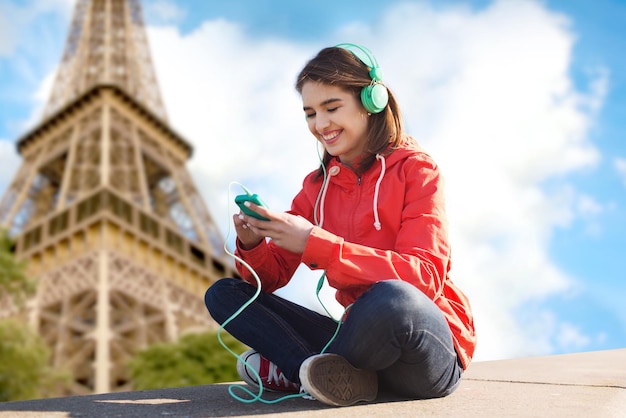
<point x="253" y="257"/>
<point x="254" y="253"/>
<point x="319" y="248"/>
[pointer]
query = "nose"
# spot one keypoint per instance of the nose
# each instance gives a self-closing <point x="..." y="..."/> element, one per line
<point x="321" y="123"/>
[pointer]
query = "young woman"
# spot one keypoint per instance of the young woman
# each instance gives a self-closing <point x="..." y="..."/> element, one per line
<point x="373" y="218"/>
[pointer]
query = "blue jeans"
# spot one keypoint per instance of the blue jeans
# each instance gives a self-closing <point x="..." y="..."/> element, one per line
<point x="393" y="329"/>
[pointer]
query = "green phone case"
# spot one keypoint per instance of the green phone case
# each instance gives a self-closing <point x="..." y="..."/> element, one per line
<point x="254" y="198"/>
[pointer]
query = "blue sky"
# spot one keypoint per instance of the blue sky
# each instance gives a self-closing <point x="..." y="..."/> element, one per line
<point x="522" y="103"/>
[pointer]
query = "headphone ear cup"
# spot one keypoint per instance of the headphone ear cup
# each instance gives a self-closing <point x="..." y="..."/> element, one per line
<point x="374" y="97"/>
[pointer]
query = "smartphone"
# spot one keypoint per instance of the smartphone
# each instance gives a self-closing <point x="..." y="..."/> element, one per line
<point x="254" y="198"/>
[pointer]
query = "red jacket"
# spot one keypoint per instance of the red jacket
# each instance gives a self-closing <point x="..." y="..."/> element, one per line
<point x="411" y="244"/>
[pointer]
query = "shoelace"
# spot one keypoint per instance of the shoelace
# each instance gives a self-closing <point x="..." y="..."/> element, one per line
<point x="306" y="395"/>
<point x="273" y="376"/>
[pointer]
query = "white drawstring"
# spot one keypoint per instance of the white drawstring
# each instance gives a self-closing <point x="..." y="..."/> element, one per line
<point x="332" y="172"/>
<point x="377" y="224"/>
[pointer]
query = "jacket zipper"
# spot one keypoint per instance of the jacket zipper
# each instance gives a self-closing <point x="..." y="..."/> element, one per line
<point x="355" y="204"/>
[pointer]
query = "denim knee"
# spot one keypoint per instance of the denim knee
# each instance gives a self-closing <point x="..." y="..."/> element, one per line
<point x="220" y="298"/>
<point x="398" y="298"/>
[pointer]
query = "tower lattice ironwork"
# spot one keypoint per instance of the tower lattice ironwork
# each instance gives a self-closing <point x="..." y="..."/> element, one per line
<point x="104" y="211"/>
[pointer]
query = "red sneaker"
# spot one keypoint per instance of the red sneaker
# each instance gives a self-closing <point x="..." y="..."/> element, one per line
<point x="272" y="378"/>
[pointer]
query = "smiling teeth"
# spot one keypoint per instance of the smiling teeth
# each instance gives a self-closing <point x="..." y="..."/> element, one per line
<point x="330" y="136"/>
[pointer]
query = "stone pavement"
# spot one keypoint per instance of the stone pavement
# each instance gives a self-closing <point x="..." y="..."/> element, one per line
<point x="589" y="384"/>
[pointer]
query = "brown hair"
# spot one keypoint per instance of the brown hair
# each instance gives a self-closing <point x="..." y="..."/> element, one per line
<point x="340" y="67"/>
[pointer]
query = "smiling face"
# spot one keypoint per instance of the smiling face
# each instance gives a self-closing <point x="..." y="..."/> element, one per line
<point x="337" y="119"/>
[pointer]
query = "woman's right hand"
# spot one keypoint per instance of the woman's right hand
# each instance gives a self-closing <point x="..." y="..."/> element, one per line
<point x="247" y="238"/>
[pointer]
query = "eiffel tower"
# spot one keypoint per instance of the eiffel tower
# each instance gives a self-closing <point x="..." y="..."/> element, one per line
<point x="104" y="211"/>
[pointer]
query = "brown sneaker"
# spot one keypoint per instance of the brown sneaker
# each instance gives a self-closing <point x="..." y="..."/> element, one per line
<point x="330" y="379"/>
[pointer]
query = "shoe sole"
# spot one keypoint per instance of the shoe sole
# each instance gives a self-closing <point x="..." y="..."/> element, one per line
<point x="331" y="379"/>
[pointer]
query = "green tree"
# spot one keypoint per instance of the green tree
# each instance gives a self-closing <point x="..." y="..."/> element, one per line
<point x="24" y="357"/>
<point x="13" y="279"/>
<point x="196" y="359"/>
<point x="23" y="362"/>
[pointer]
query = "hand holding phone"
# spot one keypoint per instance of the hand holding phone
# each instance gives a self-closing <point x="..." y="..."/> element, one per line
<point x="254" y="198"/>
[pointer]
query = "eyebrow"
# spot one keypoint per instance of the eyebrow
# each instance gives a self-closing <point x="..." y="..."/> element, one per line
<point x="324" y="103"/>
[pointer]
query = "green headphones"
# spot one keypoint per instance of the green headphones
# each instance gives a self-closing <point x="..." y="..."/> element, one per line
<point x="374" y="96"/>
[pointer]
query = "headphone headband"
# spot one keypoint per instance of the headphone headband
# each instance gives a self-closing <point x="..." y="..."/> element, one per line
<point x="366" y="57"/>
<point x="374" y="96"/>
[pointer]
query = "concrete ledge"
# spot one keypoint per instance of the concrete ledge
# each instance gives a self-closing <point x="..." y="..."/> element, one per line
<point x="573" y="385"/>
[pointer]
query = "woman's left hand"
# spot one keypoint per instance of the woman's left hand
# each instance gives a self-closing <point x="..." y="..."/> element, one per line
<point x="288" y="231"/>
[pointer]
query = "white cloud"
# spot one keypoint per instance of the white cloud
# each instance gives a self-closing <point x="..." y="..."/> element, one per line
<point x="565" y="336"/>
<point x="30" y="49"/>
<point x="588" y="205"/>
<point x="17" y="21"/>
<point x="10" y="163"/>
<point x="620" y="167"/>
<point x="163" y="11"/>
<point x="8" y="39"/>
<point x="39" y="101"/>
<point x="570" y="336"/>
